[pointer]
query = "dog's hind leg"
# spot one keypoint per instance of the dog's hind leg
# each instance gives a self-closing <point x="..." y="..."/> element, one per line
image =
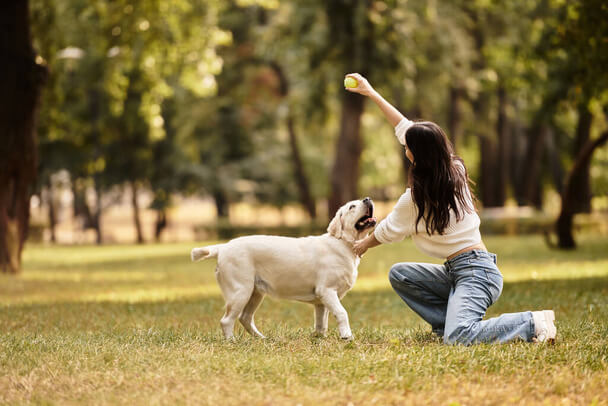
<point x="233" y="311"/>
<point x="321" y="316"/>
<point x="237" y="287"/>
<point x="246" y="317"/>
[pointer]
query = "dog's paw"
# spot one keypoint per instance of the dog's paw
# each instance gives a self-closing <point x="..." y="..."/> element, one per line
<point x="348" y="338"/>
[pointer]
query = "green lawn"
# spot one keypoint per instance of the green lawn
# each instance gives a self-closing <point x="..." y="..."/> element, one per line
<point x="140" y="325"/>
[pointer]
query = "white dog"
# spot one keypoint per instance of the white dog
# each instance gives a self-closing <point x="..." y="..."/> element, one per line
<point x="318" y="269"/>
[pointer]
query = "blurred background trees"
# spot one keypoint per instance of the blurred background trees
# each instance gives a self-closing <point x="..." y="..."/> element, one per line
<point x="242" y="100"/>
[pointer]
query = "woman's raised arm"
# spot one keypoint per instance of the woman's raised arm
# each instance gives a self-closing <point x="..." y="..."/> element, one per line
<point x="364" y="88"/>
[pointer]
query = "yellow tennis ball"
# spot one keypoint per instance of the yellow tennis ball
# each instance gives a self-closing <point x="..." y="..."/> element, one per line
<point x="350" y="82"/>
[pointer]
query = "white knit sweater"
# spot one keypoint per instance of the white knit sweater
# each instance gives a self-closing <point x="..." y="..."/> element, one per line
<point x="400" y="223"/>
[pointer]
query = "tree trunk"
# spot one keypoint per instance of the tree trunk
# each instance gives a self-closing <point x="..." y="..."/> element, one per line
<point x="488" y="153"/>
<point x="301" y="179"/>
<point x="306" y="198"/>
<point x="487" y="147"/>
<point x="582" y="182"/>
<point x="52" y="211"/>
<point x="81" y="208"/>
<point x="488" y="171"/>
<point x="136" y="217"/>
<point x="221" y="202"/>
<point x="78" y="204"/>
<point x="495" y="152"/>
<point x="518" y="156"/>
<point x="563" y="226"/>
<point x="161" y="223"/>
<point x="554" y="162"/>
<point x="455" y="116"/>
<point x="97" y="216"/>
<point x="21" y="80"/>
<point x="345" y="172"/>
<point x="504" y="149"/>
<point x="534" y="157"/>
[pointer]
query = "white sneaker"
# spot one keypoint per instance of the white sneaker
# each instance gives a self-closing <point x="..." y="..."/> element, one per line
<point x="544" y="328"/>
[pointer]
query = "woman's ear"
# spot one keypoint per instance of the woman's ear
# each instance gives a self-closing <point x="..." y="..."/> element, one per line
<point x="335" y="226"/>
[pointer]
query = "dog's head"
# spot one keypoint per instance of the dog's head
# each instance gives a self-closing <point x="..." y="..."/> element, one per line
<point x="353" y="220"/>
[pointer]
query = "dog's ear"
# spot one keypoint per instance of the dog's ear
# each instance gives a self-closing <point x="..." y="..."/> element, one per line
<point x="335" y="226"/>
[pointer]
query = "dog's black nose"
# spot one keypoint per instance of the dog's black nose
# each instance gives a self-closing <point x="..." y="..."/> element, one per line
<point x="366" y="200"/>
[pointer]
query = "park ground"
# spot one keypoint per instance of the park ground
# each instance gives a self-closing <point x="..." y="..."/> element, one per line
<point x="140" y="325"/>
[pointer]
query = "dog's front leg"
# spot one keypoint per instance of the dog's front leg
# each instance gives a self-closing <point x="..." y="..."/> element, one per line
<point x="330" y="299"/>
<point x="321" y="316"/>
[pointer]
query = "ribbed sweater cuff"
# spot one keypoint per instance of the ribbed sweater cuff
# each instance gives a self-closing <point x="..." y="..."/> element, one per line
<point x="380" y="235"/>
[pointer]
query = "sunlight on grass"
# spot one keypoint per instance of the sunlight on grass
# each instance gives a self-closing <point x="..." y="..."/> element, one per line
<point x="152" y="273"/>
<point x="155" y="295"/>
<point x="89" y="276"/>
<point x="555" y="270"/>
<point x="370" y="284"/>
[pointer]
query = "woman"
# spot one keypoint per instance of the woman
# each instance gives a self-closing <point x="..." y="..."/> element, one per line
<point x="437" y="211"/>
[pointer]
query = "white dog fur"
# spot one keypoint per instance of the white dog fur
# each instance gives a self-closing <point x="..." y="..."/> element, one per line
<point x="318" y="270"/>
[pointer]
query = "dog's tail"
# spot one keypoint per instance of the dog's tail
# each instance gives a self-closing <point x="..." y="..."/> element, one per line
<point x="201" y="253"/>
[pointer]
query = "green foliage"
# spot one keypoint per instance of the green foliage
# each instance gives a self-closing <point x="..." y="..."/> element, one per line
<point x="112" y="68"/>
<point x="579" y="45"/>
<point x="182" y="95"/>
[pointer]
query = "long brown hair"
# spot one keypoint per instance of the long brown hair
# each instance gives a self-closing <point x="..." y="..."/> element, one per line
<point x="438" y="178"/>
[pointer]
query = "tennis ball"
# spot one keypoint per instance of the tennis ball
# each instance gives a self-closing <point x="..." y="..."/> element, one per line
<point x="350" y="82"/>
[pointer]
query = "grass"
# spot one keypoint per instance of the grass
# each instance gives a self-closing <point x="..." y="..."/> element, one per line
<point x="140" y="325"/>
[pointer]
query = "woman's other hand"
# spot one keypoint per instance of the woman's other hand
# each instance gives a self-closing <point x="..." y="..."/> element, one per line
<point x="363" y="86"/>
<point x="360" y="247"/>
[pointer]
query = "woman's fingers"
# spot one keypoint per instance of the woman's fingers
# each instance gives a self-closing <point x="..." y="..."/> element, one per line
<point x="357" y="77"/>
<point x="359" y="247"/>
<point x="363" y="87"/>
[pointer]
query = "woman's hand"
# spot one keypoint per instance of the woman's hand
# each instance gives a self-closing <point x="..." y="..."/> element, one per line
<point x="363" y="86"/>
<point x="361" y="246"/>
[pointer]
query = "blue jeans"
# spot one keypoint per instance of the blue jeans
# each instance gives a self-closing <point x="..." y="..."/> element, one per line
<point x="454" y="297"/>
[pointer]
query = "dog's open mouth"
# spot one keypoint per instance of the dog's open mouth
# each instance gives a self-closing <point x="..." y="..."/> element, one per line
<point x="368" y="220"/>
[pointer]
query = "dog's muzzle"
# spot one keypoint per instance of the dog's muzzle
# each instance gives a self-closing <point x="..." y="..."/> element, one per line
<point x="368" y="220"/>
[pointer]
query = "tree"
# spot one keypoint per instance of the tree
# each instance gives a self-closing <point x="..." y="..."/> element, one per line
<point x="579" y="53"/>
<point x="335" y="38"/>
<point x="298" y="167"/>
<point x="351" y="37"/>
<point x="110" y="74"/>
<point x="21" y="76"/>
<point x="570" y="196"/>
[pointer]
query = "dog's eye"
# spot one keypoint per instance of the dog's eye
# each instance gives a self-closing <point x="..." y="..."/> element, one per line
<point x="352" y="206"/>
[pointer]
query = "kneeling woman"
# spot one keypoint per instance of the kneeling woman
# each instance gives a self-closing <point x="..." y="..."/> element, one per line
<point x="437" y="211"/>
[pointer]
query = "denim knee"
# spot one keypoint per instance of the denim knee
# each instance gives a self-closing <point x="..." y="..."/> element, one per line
<point x="392" y="274"/>
<point x="461" y="334"/>
<point x="396" y="275"/>
<point x="400" y="281"/>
